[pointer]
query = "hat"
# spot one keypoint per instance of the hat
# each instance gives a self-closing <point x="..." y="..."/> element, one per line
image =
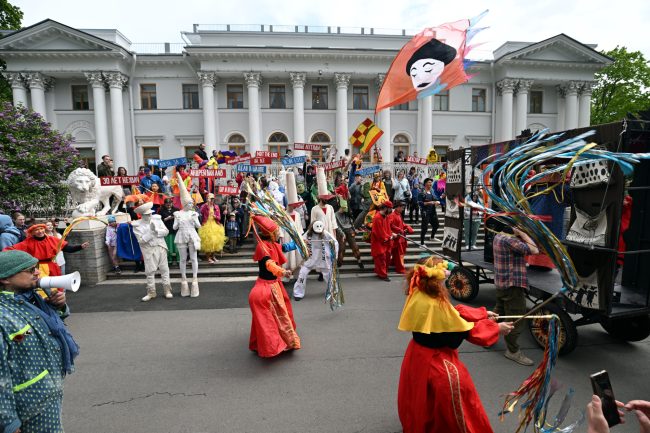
<point x="434" y="49"/>
<point x="147" y="170"/>
<point x="292" y="191"/>
<point x="210" y="195"/>
<point x="321" y="181"/>
<point x="399" y="203"/>
<point x="265" y="224"/>
<point x="31" y="229"/>
<point x="388" y="204"/>
<point x="232" y="214"/>
<point x="111" y="219"/>
<point x="144" y="209"/>
<point x="14" y="261"/>
<point x="183" y="192"/>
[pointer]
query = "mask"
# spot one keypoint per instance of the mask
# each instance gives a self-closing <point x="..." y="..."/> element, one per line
<point x="318" y="227"/>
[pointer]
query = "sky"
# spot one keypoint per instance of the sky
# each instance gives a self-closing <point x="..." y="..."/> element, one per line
<point x="607" y="23"/>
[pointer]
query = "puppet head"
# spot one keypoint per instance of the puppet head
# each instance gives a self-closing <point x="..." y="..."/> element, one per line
<point x="318" y="227"/>
<point x="427" y="63"/>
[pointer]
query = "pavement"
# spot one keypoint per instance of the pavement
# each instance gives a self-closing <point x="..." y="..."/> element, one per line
<point x="183" y="365"/>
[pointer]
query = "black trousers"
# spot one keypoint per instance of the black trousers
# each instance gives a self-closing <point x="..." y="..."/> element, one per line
<point x="428" y="218"/>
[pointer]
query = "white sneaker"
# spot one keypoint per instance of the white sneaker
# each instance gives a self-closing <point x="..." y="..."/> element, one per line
<point x="185" y="289"/>
<point x="148" y="297"/>
<point x="519" y="358"/>
<point x="195" y="289"/>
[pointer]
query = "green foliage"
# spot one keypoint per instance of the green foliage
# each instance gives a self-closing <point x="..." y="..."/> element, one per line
<point x="622" y="87"/>
<point x="34" y="161"/>
<point x="11" y="18"/>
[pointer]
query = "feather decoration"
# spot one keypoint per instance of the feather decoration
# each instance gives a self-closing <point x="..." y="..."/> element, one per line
<point x="334" y="292"/>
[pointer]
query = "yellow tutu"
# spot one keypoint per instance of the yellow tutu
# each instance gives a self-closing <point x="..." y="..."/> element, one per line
<point x="213" y="236"/>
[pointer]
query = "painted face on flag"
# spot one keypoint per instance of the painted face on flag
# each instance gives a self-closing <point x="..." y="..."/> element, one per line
<point x="427" y="63"/>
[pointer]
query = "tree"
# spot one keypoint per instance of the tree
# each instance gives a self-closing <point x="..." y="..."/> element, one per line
<point x="621" y="88"/>
<point x="11" y="18"/>
<point x="34" y="161"/>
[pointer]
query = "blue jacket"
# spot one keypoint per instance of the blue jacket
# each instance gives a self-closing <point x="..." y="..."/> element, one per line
<point x="427" y="196"/>
<point x="9" y="234"/>
<point x="232" y="229"/>
<point x="146" y="182"/>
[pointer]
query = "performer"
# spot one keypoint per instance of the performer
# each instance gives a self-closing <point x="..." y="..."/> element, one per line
<point x="166" y="213"/>
<point x="294" y="259"/>
<point x="324" y="249"/>
<point x="273" y="329"/>
<point x="212" y="234"/>
<point x="44" y="248"/>
<point x="176" y="185"/>
<point x="436" y="393"/>
<point x="397" y="226"/>
<point x="345" y="234"/>
<point x="150" y="232"/>
<point x="322" y="211"/>
<point x="186" y="221"/>
<point x="381" y="240"/>
<point x="38" y="350"/>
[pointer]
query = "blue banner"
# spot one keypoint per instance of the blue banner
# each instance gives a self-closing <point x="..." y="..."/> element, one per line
<point x="247" y="168"/>
<point x="163" y="163"/>
<point x="368" y="170"/>
<point x="296" y="160"/>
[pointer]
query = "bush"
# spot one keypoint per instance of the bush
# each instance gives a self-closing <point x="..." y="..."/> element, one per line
<point x="34" y="161"/>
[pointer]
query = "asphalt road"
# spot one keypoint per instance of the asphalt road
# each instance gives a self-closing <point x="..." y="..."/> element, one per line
<point x="183" y="365"/>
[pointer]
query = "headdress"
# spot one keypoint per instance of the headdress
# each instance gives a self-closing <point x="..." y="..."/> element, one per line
<point x="265" y="224"/>
<point x="292" y="191"/>
<point x="321" y="181"/>
<point x="144" y="209"/>
<point x="30" y="229"/>
<point x="183" y="192"/>
<point x="427" y="270"/>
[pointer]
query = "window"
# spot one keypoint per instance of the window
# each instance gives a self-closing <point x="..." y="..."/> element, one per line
<point x="442" y="152"/>
<point x="401" y="143"/>
<point x="150" y="153"/>
<point x="190" y="96"/>
<point x="277" y="97"/>
<point x="235" y="95"/>
<point x="319" y="97"/>
<point x="401" y="107"/>
<point x="80" y="97"/>
<point x="478" y="100"/>
<point x="87" y="155"/>
<point x="535" y="104"/>
<point x="319" y="138"/>
<point x="359" y="97"/>
<point x="236" y="144"/>
<point x="441" y="101"/>
<point x="189" y="154"/>
<point x="148" y="96"/>
<point x="278" y="142"/>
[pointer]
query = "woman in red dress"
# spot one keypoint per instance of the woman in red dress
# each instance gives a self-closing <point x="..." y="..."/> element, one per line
<point x="436" y="393"/>
<point x="273" y="329"/>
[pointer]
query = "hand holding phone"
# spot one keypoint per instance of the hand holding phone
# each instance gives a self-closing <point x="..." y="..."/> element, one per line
<point x="603" y="389"/>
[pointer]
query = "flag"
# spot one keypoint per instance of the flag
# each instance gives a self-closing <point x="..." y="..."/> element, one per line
<point x="366" y="134"/>
<point x="433" y="61"/>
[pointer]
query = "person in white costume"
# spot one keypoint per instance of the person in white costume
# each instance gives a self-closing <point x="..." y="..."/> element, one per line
<point x="323" y="252"/>
<point x="186" y="222"/>
<point x="150" y="232"/>
<point x="322" y="211"/>
<point x="294" y="259"/>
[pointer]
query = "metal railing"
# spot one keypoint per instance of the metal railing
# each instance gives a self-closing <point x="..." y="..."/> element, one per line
<point x="158" y="48"/>
<point x="272" y="28"/>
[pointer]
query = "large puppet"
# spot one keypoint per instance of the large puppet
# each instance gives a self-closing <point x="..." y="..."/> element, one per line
<point x="186" y="222"/>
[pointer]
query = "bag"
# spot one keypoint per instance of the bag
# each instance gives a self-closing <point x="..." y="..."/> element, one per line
<point x="407" y="194"/>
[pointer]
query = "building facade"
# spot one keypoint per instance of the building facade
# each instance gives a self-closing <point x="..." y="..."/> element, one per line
<point x="263" y="88"/>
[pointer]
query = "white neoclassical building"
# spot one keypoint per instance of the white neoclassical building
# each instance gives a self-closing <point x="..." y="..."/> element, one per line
<point x="266" y="87"/>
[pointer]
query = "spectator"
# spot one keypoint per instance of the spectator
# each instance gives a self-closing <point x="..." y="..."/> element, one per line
<point x="105" y="168"/>
<point x="148" y="180"/>
<point x="401" y="189"/>
<point x="414" y="184"/>
<point x="50" y="230"/>
<point x="111" y="243"/>
<point x="388" y="184"/>
<point x="232" y="232"/>
<point x="200" y="156"/>
<point x="428" y="201"/>
<point x="356" y="196"/>
<point x="471" y="232"/>
<point x="9" y="234"/>
<point x="19" y="223"/>
<point x="166" y="188"/>
<point x="141" y="172"/>
<point x="399" y="157"/>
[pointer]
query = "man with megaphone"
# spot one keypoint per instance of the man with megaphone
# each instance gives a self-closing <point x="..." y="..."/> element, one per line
<point x="36" y="348"/>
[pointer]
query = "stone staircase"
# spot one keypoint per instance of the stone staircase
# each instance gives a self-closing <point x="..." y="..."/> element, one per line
<point x="232" y="266"/>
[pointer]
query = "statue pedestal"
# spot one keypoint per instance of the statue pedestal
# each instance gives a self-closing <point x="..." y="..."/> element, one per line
<point x="92" y="224"/>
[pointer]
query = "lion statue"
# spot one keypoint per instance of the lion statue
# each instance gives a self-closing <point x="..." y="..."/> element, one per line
<point x="88" y="193"/>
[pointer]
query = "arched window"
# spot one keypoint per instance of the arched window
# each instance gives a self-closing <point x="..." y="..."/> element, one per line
<point x="278" y="142"/>
<point x="236" y="143"/>
<point x="402" y="143"/>
<point x="320" y="138"/>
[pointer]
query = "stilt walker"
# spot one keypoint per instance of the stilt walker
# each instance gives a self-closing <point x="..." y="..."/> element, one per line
<point x="323" y="252"/>
<point x="294" y="259"/>
<point x="186" y="222"/>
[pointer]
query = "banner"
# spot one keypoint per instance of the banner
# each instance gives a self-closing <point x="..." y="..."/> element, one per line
<point x="307" y="146"/>
<point x="333" y="165"/>
<point x="227" y="190"/>
<point x="247" y="168"/>
<point x="163" y="163"/>
<point x="261" y="161"/>
<point x="208" y="172"/>
<point x="119" y="180"/>
<point x="416" y="160"/>
<point x="368" y="170"/>
<point x="296" y="160"/>
<point x="238" y="159"/>
<point x="267" y="154"/>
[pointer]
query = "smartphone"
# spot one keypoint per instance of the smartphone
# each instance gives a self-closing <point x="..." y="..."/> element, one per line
<point x="603" y="389"/>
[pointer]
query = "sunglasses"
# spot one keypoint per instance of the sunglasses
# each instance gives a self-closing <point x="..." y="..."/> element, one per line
<point x="30" y="270"/>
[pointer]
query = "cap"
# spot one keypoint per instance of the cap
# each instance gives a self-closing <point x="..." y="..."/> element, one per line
<point x="14" y="261"/>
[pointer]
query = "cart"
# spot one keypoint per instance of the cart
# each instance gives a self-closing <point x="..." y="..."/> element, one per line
<point x="621" y="301"/>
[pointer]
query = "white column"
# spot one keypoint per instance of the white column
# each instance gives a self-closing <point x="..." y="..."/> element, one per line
<point x="418" y="147"/>
<point x="96" y="80"/>
<point x="384" y="123"/>
<point x="572" y="105"/>
<point x="427" y="126"/>
<point x="298" y="80"/>
<point x="561" y="107"/>
<point x="342" y="138"/>
<point x="209" y="124"/>
<point x="17" y="87"/>
<point x="506" y="87"/>
<point x="215" y="106"/>
<point x="116" y="82"/>
<point x="253" y="82"/>
<point x="522" y="105"/>
<point x="584" y="113"/>
<point x="36" y="83"/>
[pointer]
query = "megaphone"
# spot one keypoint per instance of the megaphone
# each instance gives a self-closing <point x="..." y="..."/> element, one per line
<point x="69" y="282"/>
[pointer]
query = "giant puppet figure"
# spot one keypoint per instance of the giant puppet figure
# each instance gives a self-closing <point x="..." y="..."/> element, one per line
<point x="186" y="222"/>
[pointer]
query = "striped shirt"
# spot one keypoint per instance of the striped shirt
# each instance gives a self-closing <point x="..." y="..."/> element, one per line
<point x="509" y="261"/>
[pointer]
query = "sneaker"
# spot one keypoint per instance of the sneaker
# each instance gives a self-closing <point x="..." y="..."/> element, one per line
<point x="148" y="298"/>
<point x="295" y="298"/>
<point x="360" y="264"/>
<point x="383" y="278"/>
<point x="117" y="270"/>
<point x="519" y="358"/>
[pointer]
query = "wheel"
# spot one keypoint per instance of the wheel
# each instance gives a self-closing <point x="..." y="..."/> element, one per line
<point x="628" y="329"/>
<point x="462" y="284"/>
<point x="568" y="338"/>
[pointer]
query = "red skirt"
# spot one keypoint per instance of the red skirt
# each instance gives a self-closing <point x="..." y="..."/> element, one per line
<point x="436" y="393"/>
<point x="273" y="329"/>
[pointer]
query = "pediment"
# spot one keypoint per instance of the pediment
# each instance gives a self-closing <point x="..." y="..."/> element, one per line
<point x="558" y="49"/>
<point x="50" y="35"/>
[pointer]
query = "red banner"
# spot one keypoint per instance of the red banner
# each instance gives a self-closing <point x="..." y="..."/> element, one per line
<point x="208" y="173"/>
<point x="333" y="165"/>
<point x="119" y="180"/>
<point x="228" y="190"/>
<point x="267" y="154"/>
<point x="236" y="160"/>
<point x="261" y="161"/>
<point x="416" y="160"/>
<point x="307" y="146"/>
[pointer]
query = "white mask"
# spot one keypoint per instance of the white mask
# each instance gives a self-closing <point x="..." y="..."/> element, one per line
<point x="318" y="227"/>
<point x="425" y="72"/>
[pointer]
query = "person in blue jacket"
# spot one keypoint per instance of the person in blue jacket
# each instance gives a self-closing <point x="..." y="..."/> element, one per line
<point x="148" y="180"/>
<point x="36" y="349"/>
<point x="9" y="234"/>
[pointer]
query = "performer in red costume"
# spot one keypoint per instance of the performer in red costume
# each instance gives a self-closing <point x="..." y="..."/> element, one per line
<point x="44" y="248"/>
<point x="381" y="240"/>
<point x="273" y="329"/>
<point x="397" y="226"/>
<point x="436" y="393"/>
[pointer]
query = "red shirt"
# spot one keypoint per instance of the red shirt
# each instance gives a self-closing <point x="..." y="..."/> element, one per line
<point x="380" y="235"/>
